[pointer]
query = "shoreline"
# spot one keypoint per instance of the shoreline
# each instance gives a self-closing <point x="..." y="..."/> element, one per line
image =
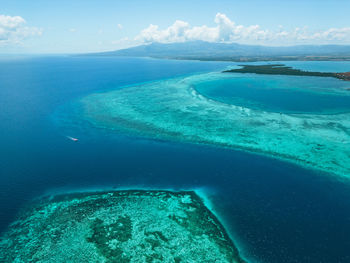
<point x="283" y="70"/>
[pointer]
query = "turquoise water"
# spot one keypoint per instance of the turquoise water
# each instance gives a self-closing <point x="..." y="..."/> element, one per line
<point x="275" y="211"/>
<point x="287" y="94"/>
<point x="174" y="110"/>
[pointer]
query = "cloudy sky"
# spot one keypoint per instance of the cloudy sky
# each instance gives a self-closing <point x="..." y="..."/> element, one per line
<point x="70" y="26"/>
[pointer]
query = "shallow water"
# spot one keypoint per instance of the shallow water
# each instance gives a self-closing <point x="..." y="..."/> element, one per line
<point x="276" y="211"/>
<point x="173" y="110"/>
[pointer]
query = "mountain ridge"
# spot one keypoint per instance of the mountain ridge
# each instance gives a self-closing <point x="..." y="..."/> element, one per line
<point x="200" y="50"/>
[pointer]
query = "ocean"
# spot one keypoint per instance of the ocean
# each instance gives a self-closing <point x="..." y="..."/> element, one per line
<point x="275" y="211"/>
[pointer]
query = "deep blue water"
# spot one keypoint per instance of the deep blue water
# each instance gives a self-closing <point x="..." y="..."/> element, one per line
<point x="278" y="212"/>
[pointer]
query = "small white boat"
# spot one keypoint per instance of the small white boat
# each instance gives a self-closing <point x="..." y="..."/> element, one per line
<point x="72" y="138"/>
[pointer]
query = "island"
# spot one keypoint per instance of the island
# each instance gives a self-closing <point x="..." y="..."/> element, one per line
<point x="280" y="69"/>
<point x="118" y="226"/>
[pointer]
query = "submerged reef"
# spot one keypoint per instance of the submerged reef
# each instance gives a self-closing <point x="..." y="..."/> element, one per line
<point x="118" y="226"/>
<point x="173" y="109"/>
<point x="280" y="69"/>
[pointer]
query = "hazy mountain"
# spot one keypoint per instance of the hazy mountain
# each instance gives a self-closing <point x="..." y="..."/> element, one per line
<point x="223" y="51"/>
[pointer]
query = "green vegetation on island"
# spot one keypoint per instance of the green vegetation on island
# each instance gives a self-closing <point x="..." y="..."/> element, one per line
<point x="118" y="226"/>
<point x="280" y="69"/>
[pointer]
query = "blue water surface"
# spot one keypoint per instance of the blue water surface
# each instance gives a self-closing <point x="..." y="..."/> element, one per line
<point x="287" y="94"/>
<point x="275" y="211"/>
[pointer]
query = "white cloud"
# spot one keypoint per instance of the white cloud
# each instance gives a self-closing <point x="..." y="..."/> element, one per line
<point x="120" y="26"/>
<point x="225" y="30"/>
<point x="13" y="30"/>
<point x="333" y="34"/>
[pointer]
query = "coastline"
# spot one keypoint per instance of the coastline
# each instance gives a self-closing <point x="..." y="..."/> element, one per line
<point x="283" y="70"/>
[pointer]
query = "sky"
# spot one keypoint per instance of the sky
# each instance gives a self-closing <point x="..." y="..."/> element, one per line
<point x="79" y="26"/>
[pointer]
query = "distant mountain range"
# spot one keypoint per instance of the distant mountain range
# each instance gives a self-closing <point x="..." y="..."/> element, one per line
<point x="200" y="50"/>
